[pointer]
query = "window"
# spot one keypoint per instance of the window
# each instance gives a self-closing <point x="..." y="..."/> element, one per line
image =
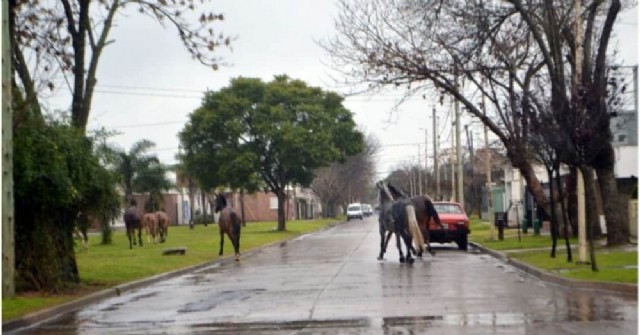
<point x="448" y="208"/>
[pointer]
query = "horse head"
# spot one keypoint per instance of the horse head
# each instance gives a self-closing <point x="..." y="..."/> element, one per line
<point x="396" y="193"/>
<point x="221" y="203"/>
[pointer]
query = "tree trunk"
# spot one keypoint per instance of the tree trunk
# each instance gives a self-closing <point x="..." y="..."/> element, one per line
<point x="244" y="221"/>
<point x="203" y="197"/>
<point x="617" y="230"/>
<point x="107" y="233"/>
<point x="51" y="266"/>
<point x="554" y="222"/>
<point x="282" y="201"/>
<point x="532" y="181"/>
<point x="191" y="200"/>
<point x="563" y="214"/>
<point x="590" y="201"/>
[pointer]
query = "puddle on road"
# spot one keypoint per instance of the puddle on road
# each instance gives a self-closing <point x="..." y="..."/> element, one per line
<point x="500" y="319"/>
<point x="250" y="327"/>
<point x="134" y="298"/>
<point x="390" y="325"/>
<point x="217" y="299"/>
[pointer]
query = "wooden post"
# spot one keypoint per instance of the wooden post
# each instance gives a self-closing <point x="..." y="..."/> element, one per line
<point x="8" y="240"/>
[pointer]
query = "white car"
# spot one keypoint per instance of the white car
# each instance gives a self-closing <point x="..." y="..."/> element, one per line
<point x="367" y="210"/>
<point x="354" y="211"/>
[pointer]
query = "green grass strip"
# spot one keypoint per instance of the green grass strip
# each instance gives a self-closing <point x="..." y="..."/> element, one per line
<point x="104" y="266"/>
<point x="614" y="265"/>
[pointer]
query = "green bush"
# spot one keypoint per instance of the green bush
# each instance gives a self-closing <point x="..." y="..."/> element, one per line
<point x="57" y="177"/>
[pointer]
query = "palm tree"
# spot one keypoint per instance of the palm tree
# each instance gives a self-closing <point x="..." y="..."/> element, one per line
<point x="131" y="164"/>
<point x="153" y="179"/>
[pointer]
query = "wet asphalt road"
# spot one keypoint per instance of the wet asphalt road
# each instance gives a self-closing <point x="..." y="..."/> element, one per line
<point x="331" y="283"/>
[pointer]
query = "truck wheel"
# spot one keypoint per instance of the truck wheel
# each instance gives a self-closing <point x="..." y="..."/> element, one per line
<point x="462" y="242"/>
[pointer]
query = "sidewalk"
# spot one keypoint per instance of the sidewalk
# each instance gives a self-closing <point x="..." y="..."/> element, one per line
<point x="608" y="287"/>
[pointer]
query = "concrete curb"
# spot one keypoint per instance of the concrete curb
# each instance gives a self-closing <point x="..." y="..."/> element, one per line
<point x="71" y="306"/>
<point x="608" y="287"/>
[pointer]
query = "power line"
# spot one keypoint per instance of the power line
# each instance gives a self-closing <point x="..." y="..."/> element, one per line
<point x="149" y="88"/>
<point x="142" y="125"/>
<point x="149" y="94"/>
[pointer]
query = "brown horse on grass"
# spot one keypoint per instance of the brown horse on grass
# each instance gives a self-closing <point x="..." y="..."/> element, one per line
<point x="163" y="225"/>
<point x="150" y="223"/>
<point x="229" y="223"/>
<point x="132" y="222"/>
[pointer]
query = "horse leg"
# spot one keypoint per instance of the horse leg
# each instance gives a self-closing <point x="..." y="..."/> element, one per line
<point x="139" y="235"/>
<point x="382" y="246"/>
<point x="427" y="238"/>
<point x="147" y="230"/>
<point x="129" y="237"/>
<point x="236" y="236"/>
<point x="407" y="241"/>
<point x="399" y="245"/>
<point x="221" y="240"/>
<point x="166" y="231"/>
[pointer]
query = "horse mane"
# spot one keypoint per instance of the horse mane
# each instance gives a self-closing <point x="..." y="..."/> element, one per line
<point x="396" y="193"/>
<point x="220" y="199"/>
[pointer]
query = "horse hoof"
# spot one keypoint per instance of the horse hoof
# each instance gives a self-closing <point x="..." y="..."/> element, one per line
<point x="401" y="259"/>
<point x="380" y="258"/>
<point x="410" y="260"/>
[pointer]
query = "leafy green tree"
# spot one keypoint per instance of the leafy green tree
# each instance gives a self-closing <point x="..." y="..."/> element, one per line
<point x="59" y="180"/>
<point x="281" y="131"/>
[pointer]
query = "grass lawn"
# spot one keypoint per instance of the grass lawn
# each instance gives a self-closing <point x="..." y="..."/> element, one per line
<point x="104" y="266"/>
<point x="481" y="233"/>
<point x="614" y="265"/>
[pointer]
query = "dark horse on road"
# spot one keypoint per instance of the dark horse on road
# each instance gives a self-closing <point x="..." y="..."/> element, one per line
<point x="229" y="223"/>
<point x="398" y="215"/>
<point x="425" y="213"/>
<point x="132" y="222"/>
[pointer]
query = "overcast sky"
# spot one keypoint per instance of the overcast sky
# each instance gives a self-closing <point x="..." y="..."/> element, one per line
<point x="148" y="84"/>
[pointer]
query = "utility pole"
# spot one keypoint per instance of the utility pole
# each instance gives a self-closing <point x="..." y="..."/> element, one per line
<point x="436" y="167"/>
<point x="8" y="239"/>
<point x="460" y="193"/>
<point x="426" y="163"/>
<point x="452" y="160"/>
<point x="472" y="186"/>
<point x="419" y="173"/>
<point x="487" y="158"/>
<point x="582" y="226"/>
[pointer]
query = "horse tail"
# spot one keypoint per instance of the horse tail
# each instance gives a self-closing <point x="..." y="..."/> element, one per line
<point x="235" y="224"/>
<point x="418" y="239"/>
<point x="432" y="213"/>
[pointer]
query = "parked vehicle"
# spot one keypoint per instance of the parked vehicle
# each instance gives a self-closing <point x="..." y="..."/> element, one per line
<point x="455" y="224"/>
<point x="354" y="211"/>
<point x="367" y="210"/>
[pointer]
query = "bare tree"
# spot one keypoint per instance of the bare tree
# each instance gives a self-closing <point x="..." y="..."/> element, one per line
<point x="340" y="183"/>
<point x="421" y="46"/>
<point x="510" y="52"/>
<point x="66" y="38"/>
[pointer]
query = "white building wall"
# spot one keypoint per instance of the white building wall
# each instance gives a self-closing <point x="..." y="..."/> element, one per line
<point x="626" y="161"/>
